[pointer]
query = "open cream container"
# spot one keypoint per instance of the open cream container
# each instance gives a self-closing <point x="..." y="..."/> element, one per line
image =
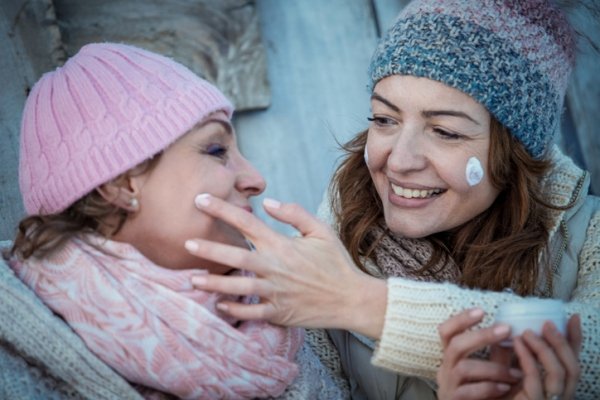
<point x="531" y="314"/>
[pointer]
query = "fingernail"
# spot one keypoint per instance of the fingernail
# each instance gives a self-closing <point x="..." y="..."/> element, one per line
<point x="222" y="307"/>
<point x="198" y="280"/>
<point x="271" y="203"/>
<point x="501" y="330"/>
<point x="202" y="200"/>
<point x="191" y="245"/>
<point x="515" y="373"/>
<point x="476" y="313"/>
<point x="503" y="387"/>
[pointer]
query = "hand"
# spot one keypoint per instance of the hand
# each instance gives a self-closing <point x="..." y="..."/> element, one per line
<point x="556" y="355"/>
<point x="307" y="281"/>
<point x="463" y="377"/>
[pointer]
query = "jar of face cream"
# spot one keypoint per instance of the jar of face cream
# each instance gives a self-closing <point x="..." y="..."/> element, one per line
<point x="531" y="314"/>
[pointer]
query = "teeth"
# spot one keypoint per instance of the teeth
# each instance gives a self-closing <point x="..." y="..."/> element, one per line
<point x="414" y="193"/>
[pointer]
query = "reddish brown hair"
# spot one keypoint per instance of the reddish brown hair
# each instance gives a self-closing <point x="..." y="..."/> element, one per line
<point x="498" y="249"/>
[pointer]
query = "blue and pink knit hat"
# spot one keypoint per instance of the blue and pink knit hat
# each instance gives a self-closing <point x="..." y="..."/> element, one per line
<point x="513" y="56"/>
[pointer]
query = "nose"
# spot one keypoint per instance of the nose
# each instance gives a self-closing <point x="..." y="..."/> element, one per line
<point x="249" y="181"/>
<point x="408" y="150"/>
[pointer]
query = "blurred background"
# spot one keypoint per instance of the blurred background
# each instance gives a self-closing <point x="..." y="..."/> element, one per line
<point x="296" y="70"/>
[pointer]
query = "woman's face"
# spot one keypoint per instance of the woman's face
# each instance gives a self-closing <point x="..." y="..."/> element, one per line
<point x="205" y="160"/>
<point x="421" y="137"/>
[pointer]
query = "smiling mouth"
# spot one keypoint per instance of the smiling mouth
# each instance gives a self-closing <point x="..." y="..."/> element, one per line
<point x="416" y="193"/>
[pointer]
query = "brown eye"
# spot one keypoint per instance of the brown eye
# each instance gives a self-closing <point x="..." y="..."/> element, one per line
<point x="446" y="134"/>
<point x="381" y="121"/>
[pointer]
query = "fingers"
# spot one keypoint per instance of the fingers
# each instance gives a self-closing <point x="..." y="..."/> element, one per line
<point x="555" y="355"/>
<point x="250" y="226"/>
<point x="261" y="311"/>
<point x="236" y="285"/>
<point x="236" y="257"/>
<point x="566" y="351"/>
<point x="295" y="215"/>
<point x="474" y="370"/>
<point x="533" y="380"/>
<point x="554" y="379"/>
<point x="463" y="345"/>
<point x="502" y="355"/>
<point x="459" y="323"/>
<point x="574" y="335"/>
<point x="475" y="379"/>
<point x="481" y="390"/>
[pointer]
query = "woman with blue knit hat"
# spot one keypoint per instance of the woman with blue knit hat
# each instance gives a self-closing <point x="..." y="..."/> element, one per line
<point x="452" y="205"/>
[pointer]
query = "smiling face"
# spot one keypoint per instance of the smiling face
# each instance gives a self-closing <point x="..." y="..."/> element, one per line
<point x="421" y="137"/>
<point x="205" y="160"/>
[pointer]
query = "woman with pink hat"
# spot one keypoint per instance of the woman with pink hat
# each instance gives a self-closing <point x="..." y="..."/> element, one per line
<point x="115" y="145"/>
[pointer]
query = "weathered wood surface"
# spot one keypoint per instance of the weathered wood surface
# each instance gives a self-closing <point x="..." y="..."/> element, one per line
<point x="318" y="53"/>
<point x="387" y="11"/>
<point x="583" y="96"/>
<point x="218" y="39"/>
<point x="29" y="45"/>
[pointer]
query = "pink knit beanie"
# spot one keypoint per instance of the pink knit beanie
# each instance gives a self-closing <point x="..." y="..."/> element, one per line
<point x="110" y="107"/>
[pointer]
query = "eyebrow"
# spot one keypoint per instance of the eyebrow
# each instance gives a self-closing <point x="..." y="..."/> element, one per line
<point x="426" y="113"/>
<point x="451" y="113"/>
<point x="228" y="127"/>
<point x="385" y="101"/>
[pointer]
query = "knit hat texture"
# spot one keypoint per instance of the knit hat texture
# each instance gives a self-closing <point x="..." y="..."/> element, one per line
<point x="109" y="108"/>
<point x="513" y="56"/>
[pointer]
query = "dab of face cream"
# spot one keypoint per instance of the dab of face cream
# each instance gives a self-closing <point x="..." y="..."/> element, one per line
<point x="366" y="156"/>
<point x="473" y="171"/>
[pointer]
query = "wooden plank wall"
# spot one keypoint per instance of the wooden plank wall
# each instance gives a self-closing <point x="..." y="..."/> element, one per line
<point x="29" y="46"/>
<point x="317" y="54"/>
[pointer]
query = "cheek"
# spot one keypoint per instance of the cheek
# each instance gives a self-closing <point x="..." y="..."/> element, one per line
<point x="452" y="173"/>
<point x="376" y="152"/>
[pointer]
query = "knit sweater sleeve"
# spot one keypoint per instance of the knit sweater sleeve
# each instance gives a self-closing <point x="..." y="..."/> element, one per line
<point x="410" y="343"/>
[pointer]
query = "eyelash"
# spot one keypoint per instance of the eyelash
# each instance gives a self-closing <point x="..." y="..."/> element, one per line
<point x="447" y="135"/>
<point x="216" y="150"/>
<point x="380" y="121"/>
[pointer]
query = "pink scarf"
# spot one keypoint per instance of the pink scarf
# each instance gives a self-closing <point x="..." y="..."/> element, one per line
<point x="151" y="326"/>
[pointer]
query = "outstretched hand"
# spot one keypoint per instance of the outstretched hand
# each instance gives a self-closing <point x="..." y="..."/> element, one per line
<point x="307" y="281"/>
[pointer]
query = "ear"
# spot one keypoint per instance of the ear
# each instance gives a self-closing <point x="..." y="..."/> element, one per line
<point x="122" y="192"/>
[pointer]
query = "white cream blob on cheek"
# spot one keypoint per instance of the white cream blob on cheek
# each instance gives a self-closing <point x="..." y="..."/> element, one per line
<point x="366" y="157"/>
<point x="473" y="171"/>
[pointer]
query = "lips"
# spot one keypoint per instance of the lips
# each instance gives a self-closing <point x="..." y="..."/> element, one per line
<point x="415" y="193"/>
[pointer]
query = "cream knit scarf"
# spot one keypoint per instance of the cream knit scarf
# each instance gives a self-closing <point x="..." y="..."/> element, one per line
<point x="400" y="257"/>
<point x="152" y="327"/>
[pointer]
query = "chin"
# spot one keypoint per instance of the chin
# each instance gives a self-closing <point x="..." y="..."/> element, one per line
<point x="407" y="231"/>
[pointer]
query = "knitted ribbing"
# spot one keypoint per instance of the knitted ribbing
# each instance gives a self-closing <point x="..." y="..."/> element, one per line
<point x="514" y="57"/>
<point x="110" y="107"/>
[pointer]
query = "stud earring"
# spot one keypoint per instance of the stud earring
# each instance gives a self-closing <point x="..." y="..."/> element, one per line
<point x="134" y="203"/>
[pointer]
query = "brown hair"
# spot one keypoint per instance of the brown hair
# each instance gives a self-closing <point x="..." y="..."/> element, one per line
<point x="40" y="235"/>
<point x="498" y="249"/>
